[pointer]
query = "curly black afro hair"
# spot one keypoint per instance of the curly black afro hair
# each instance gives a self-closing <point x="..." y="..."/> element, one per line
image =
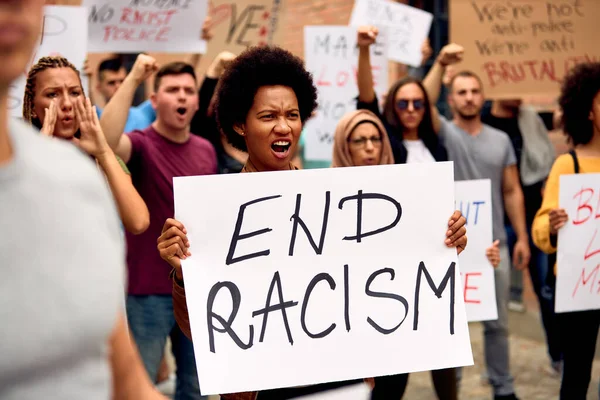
<point x="579" y="89"/>
<point x="252" y="69"/>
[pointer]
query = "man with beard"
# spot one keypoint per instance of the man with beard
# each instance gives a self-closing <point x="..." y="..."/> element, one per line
<point x="482" y="152"/>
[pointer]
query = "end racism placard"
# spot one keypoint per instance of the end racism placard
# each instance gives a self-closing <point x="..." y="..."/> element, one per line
<point x="61" y="24"/>
<point x="408" y="27"/>
<point x="474" y="200"/>
<point x="331" y="56"/>
<point x="526" y="47"/>
<point x="132" y="26"/>
<point x="578" y="258"/>
<point x="304" y="277"/>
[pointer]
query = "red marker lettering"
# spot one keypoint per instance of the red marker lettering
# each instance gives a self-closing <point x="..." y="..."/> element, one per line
<point x="578" y="220"/>
<point x="467" y="287"/>
<point x="583" y="280"/>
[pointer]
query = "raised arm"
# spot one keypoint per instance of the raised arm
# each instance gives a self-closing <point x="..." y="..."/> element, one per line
<point x="366" y="36"/>
<point x="114" y="115"/>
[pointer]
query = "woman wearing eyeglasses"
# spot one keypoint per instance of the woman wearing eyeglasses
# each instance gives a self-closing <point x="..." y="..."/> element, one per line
<point x="407" y="120"/>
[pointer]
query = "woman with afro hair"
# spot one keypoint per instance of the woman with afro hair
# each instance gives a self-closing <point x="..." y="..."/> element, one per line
<point x="580" y="104"/>
<point x="264" y="98"/>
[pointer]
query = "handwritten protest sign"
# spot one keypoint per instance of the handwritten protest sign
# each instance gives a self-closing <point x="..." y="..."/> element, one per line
<point x="303" y="277"/>
<point x="578" y="258"/>
<point x="61" y="25"/>
<point x="524" y="47"/>
<point x="331" y="56"/>
<point x="408" y="27"/>
<point x="134" y="26"/>
<point x="474" y="200"/>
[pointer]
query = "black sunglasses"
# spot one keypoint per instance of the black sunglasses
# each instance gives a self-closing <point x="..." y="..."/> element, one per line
<point x="417" y="104"/>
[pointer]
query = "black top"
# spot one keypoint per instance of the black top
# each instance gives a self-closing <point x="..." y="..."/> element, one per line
<point x="206" y="126"/>
<point x="438" y="152"/>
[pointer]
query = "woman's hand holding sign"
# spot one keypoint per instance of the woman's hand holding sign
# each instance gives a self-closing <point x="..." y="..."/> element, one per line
<point x="456" y="236"/>
<point x="173" y="245"/>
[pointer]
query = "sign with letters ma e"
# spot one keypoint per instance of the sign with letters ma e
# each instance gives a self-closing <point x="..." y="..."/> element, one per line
<point x="131" y="26"/>
<point x="578" y="258"/>
<point x="304" y="277"/>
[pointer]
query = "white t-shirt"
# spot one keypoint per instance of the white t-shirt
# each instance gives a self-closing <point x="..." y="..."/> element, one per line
<point x="63" y="265"/>
<point x="417" y="152"/>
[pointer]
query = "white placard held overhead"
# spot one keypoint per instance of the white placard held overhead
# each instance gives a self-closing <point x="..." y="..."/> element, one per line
<point x="134" y="26"/>
<point x="408" y="27"/>
<point x="60" y="26"/>
<point x="331" y="55"/>
<point x="578" y="258"/>
<point x="312" y="276"/>
<point x="474" y="200"/>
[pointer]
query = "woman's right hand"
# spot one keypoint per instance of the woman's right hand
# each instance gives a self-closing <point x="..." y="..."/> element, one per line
<point x="366" y="36"/>
<point x="173" y="244"/>
<point x="558" y="219"/>
<point x="50" y="119"/>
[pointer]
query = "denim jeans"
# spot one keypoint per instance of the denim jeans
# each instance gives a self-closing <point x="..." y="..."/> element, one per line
<point x="539" y="268"/>
<point x="151" y="320"/>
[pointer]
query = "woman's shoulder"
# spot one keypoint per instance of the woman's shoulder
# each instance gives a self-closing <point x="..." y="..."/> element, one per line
<point x="564" y="164"/>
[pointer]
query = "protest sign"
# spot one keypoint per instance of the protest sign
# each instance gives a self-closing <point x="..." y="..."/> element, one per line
<point x="62" y="33"/>
<point x="311" y="276"/>
<point x="359" y="391"/>
<point x="331" y="56"/>
<point x="578" y="258"/>
<point x="135" y="26"/>
<point x="524" y="48"/>
<point x="474" y="200"/>
<point x="408" y="27"/>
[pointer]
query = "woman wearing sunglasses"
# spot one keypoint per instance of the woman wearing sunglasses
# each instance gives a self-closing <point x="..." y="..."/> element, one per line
<point x="407" y="120"/>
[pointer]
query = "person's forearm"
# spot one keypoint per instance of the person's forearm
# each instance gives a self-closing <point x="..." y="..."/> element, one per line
<point x="515" y="208"/>
<point x="433" y="82"/>
<point x="114" y="116"/>
<point x="130" y="380"/>
<point x="366" y="91"/>
<point x="132" y="208"/>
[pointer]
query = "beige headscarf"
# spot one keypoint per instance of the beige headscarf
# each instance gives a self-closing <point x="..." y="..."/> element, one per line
<point x="341" y="149"/>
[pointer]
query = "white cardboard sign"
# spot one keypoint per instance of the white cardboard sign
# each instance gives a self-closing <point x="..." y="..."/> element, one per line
<point x="331" y="55"/>
<point x="132" y="26"/>
<point x="474" y="200"/>
<point x="305" y="277"/>
<point x="61" y="25"/>
<point x="408" y="27"/>
<point x="578" y="258"/>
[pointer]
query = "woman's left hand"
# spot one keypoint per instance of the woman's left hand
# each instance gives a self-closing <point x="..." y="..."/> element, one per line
<point x="456" y="236"/>
<point x="92" y="139"/>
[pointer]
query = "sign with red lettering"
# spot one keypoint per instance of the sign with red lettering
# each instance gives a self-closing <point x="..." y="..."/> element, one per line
<point x="312" y="276"/>
<point x="524" y="48"/>
<point x="60" y="26"/>
<point x="331" y="55"/>
<point x="474" y="200"/>
<point x="132" y="26"/>
<point x="578" y="258"/>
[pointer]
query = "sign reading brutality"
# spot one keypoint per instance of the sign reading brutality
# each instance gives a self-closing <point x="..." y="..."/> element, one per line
<point x="524" y="47"/>
<point x="302" y="277"/>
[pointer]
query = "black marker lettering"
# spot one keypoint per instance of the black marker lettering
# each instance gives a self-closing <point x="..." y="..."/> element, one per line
<point x="280" y="306"/>
<point x="437" y="290"/>
<point x="384" y="295"/>
<point x="237" y="236"/>
<point x="236" y="299"/>
<point x="359" y="200"/>
<point x="309" y="289"/>
<point x="346" y="298"/>
<point x="298" y="221"/>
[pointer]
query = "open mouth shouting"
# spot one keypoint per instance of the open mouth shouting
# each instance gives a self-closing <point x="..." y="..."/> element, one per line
<point x="281" y="148"/>
<point x="182" y="112"/>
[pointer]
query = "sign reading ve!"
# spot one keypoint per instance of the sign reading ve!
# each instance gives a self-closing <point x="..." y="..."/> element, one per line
<point x="60" y="26"/>
<point x="311" y="276"/>
<point x="474" y="200"/>
<point x="578" y="258"/>
<point x="331" y="55"/>
<point x="131" y="26"/>
<point x="524" y="48"/>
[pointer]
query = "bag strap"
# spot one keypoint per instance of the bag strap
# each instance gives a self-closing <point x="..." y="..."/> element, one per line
<point x="575" y="160"/>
